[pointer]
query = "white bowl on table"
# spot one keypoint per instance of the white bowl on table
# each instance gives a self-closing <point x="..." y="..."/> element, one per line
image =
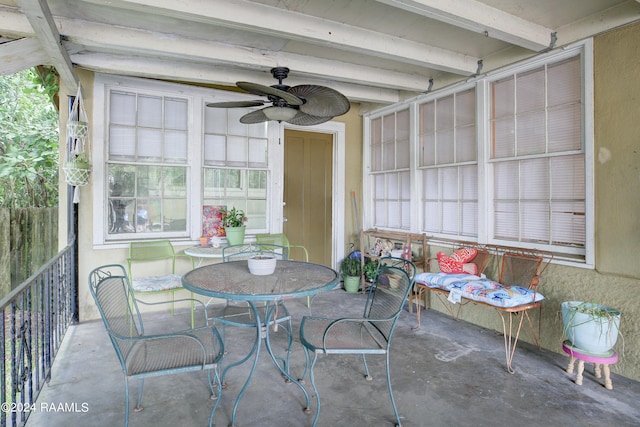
<point x="262" y="265"/>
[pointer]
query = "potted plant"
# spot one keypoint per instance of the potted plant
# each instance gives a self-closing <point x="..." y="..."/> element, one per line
<point x="233" y="221"/>
<point x="590" y="326"/>
<point x="77" y="170"/>
<point x="369" y="269"/>
<point x="351" y="272"/>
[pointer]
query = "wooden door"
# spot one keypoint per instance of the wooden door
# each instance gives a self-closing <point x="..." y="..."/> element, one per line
<point x="308" y="193"/>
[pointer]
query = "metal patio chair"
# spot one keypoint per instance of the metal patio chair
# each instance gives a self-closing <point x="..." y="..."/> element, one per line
<point x="142" y="355"/>
<point x="161" y="256"/>
<point x="367" y="335"/>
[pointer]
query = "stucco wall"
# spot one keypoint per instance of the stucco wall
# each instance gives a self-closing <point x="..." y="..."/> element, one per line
<point x="616" y="279"/>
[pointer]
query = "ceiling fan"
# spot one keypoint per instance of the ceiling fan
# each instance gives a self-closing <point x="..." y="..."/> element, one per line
<point x="303" y="105"/>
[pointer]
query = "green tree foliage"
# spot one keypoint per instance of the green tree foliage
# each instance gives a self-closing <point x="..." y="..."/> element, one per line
<point x="28" y="140"/>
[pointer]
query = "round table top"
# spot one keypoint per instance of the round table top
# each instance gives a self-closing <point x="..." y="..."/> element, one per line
<point x="204" y="251"/>
<point x="232" y="280"/>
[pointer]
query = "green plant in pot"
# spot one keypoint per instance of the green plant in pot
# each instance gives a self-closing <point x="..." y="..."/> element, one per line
<point x="351" y="271"/>
<point x="369" y="269"/>
<point x="233" y="221"/>
<point x="590" y="326"/>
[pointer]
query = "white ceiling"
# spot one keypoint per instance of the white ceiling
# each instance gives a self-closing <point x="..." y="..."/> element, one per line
<point x="376" y="52"/>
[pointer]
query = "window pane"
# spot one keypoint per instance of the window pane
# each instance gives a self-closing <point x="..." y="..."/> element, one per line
<point x="503" y="96"/>
<point x="445" y="147"/>
<point x="466" y="146"/>
<point x="530" y="92"/>
<point x="122" y="143"/>
<point x="503" y="138"/>
<point x="176" y="114"/>
<point x="122" y="109"/>
<point x="175" y="146"/>
<point x="214" y="149"/>
<point x="149" y="145"/>
<point x="150" y="111"/>
<point x="565" y="128"/>
<point x="531" y="133"/>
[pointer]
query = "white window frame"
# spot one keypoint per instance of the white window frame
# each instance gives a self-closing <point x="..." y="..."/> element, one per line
<point x="197" y="98"/>
<point x="582" y="257"/>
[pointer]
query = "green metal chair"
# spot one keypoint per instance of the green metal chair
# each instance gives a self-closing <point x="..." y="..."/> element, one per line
<point x="367" y="335"/>
<point x="162" y="257"/>
<point x="141" y="355"/>
<point x="281" y="239"/>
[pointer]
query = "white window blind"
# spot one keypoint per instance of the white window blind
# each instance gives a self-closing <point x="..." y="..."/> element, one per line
<point x="538" y="157"/>
<point x="390" y="161"/>
<point x="235" y="164"/>
<point x="449" y="164"/>
<point x="146" y="165"/>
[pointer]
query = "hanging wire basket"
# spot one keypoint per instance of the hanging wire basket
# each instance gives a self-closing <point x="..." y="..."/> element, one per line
<point x="77" y="177"/>
<point x="77" y="129"/>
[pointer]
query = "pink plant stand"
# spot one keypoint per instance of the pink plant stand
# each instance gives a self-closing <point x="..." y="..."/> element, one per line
<point x="599" y="361"/>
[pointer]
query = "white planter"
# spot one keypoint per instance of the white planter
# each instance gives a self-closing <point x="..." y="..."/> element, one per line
<point x="262" y="265"/>
<point x="594" y="334"/>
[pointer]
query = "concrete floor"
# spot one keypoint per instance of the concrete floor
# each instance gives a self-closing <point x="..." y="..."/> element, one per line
<point x="449" y="373"/>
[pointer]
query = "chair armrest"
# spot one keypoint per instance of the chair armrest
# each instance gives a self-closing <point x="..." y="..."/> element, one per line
<point x="304" y="249"/>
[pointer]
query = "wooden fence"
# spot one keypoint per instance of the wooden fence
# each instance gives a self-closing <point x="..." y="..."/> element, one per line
<point x="28" y="239"/>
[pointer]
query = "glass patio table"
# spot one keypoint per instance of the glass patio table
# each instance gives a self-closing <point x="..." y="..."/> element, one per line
<point x="233" y="281"/>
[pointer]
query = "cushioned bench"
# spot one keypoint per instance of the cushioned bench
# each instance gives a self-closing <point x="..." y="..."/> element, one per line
<point x="514" y="293"/>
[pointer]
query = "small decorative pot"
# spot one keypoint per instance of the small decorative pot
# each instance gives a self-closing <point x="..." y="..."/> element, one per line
<point x="351" y="283"/>
<point x="235" y="235"/>
<point x="262" y="265"/>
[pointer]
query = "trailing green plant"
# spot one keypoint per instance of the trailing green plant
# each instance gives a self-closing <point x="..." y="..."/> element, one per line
<point x="350" y="267"/>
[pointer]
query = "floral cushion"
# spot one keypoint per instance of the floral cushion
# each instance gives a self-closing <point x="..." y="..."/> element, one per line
<point x="157" y="283"/>
<point x="479" y="289"/>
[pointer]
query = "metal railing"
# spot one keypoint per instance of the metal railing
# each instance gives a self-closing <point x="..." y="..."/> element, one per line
<point x="35" y="317"/>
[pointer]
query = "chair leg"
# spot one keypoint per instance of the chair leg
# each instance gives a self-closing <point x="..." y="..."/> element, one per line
<point x="315" y="389"/>
<point x="139" y="407"/>
<point x="366" y="369"/>
<point x="215" y="396"/>
<point x="126" y="402"/>
<point x="393" y="401"/>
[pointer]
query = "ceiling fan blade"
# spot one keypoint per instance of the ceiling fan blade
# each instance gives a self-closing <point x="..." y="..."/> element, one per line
<point x="254" y="117"/>
<point x="258" y="89"/>
<point x="236" y="104"/>
<point x="321" y="101"/>
<point x="304" y="119"/>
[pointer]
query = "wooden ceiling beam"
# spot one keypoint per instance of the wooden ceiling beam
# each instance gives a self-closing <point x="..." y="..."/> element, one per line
<point x="475" y="16"/>
<point x="262" y="19"/>
<point x="41" y="20"/>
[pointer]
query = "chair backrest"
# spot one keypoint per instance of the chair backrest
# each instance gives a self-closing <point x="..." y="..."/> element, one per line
<point x="282" y="240"/>
<point x="519" y="269"/>
<point x="246" y="251"/>
<point x="155" y="250"/>
<point x="386" y="297"/>
<point x="112" y="294"/>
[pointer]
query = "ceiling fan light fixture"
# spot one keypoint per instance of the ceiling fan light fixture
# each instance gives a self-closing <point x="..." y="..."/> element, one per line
<point x="280" y="113"/>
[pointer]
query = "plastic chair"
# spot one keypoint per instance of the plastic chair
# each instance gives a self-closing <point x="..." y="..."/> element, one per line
<point x="281" y="239"/>
<point x="142" y="355"/>
<point x="161" y="254"/>
<point x="367" y="335"/>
